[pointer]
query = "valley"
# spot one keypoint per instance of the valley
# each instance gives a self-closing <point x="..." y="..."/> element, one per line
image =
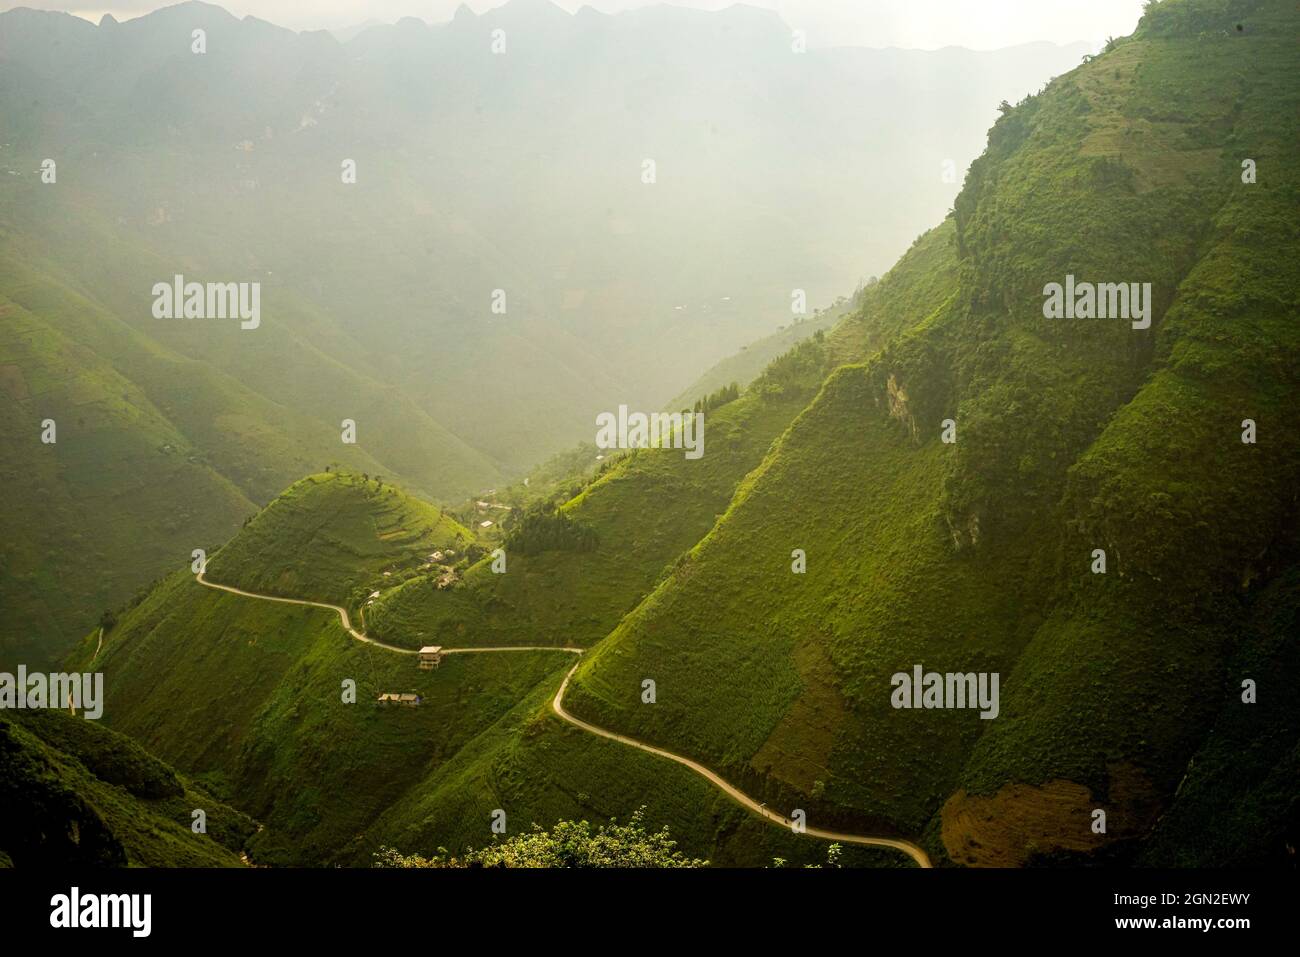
<point x="460" y="259"/>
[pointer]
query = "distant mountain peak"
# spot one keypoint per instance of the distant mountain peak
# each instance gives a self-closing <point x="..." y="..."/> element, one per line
<point x="533" y="9"/>
<point x="533" y="5"/>
<point x="463" y="14"/>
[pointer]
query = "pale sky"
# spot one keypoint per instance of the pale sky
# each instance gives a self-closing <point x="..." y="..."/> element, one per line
<point x="923" y="24"/>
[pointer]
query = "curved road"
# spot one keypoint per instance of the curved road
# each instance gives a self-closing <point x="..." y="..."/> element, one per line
<point x="916" y="853"/>
<point x="744" y="800"/>
<point x="338" y="609"/>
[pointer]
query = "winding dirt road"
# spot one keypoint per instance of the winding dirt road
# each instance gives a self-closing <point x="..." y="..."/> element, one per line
<point x="337" y="609"/>
<point x="744" y="800"/>
<point x="916" y="853"/>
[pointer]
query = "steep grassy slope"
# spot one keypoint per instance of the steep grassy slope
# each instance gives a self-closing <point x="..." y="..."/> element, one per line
<point x="1237" y="803"/>
<point x="645" y="508"/>
<point x="119" y="496"/>
<point x="248" y="696"/>
<point x="75" y="793"/>
<point x="1071" y="435"/>
<point x="536" y="768"/>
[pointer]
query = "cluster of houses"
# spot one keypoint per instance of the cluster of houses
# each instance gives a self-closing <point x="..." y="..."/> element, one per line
<point x="447" y="575"/>
<point x="430" y="657"/>
<point x="484" y="506"/>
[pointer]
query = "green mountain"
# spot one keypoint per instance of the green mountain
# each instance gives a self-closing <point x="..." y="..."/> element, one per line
<point x="74" y="793"/>
<point x="978" y="556"/>
<point x="934" y="482"/>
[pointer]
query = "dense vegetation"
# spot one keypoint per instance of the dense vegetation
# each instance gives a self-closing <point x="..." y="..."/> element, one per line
<point x="567" y="844"/>
<point x="75" y="793"/>
<point x="542" y="527"/>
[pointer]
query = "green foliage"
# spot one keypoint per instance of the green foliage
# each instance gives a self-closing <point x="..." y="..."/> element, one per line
<point x="716" y="400"/>
<point x="542" y="528"/>
<point x="566" y="844"/>
<point x="73" y="793"/>
<point x="1197" y="18"/>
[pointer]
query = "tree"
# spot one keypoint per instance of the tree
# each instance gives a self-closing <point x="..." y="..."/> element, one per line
<point x="543" y="527"/>
<point x="568" y="844"/>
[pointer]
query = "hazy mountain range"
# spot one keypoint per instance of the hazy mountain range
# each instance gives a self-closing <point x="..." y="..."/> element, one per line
<point x="476" y="171"/>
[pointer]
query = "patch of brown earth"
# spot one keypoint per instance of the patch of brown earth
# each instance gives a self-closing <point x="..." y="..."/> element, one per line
<point x="1005" y="829"/>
